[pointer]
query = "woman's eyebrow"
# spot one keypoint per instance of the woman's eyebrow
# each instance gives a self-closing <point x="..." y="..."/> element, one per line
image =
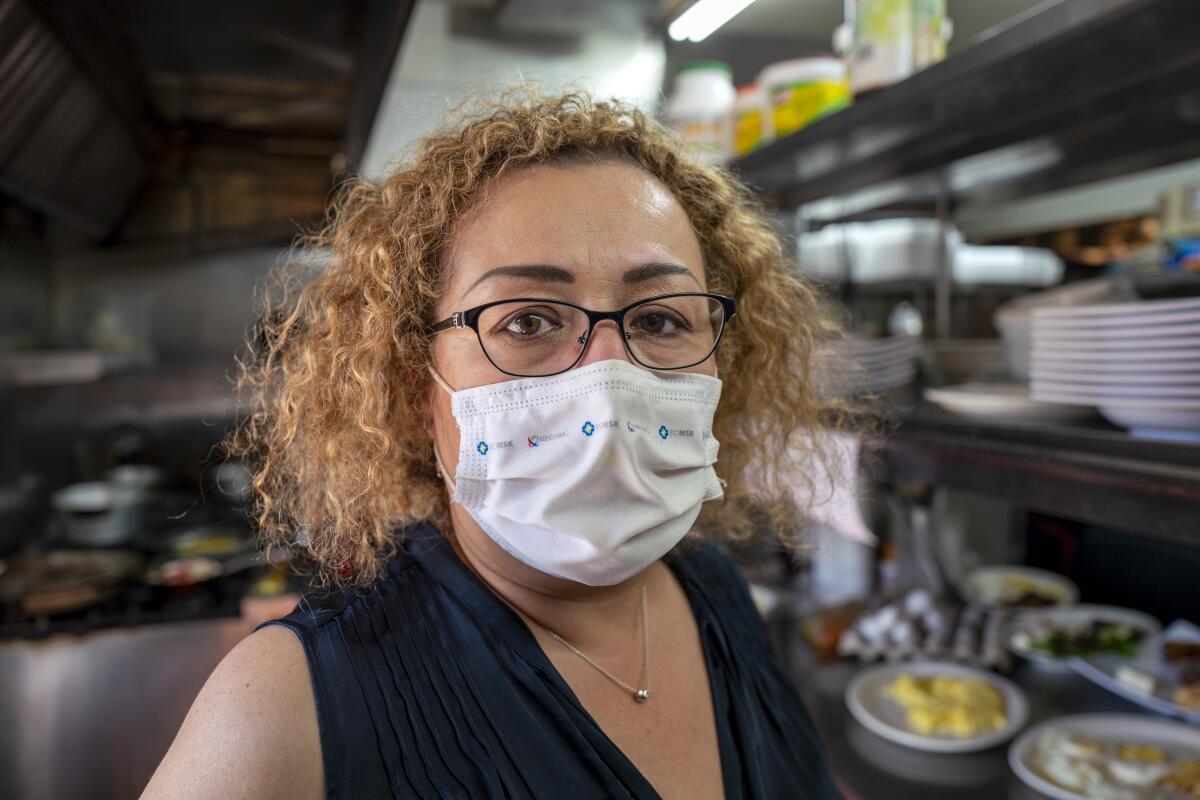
<point x="542" y="272"/>
<point x="645" y="272"/>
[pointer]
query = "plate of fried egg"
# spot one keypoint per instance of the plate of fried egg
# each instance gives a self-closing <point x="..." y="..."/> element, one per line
<point x="1109" y="756"/>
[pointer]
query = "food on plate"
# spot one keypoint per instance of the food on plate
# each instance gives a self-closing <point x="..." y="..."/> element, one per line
<point x="826" y="628"/>
<point x="184" y="571"/>
<point x="1185" y="778"/>
<point x="1085" y="638"/>
<point x="1137" y="679"/>
<point x="1113" y="769"/>
<point x="1187" y="696"/>
<point x="1175" y="650"/>
<point x="1032" y="599"/>
<point x="948" y="706"/>
<point x="1019" y="591"/>
<point x="1181" y="654"/>
<point x="1150" y="679"/>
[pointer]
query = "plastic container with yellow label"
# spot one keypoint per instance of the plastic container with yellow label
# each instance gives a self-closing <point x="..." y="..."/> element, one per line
<point x="748" y="119"/>
<point x="801" y="90"/>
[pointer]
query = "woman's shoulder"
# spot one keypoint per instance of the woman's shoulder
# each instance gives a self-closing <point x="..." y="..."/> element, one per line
<point x="256" y="728"/>
<point x="252" y="731"/>
<point x="316" y="610"/>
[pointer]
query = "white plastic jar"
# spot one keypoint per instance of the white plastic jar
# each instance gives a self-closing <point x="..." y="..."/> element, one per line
<point x="801" y="90"/>
<point x="699" y="108"/>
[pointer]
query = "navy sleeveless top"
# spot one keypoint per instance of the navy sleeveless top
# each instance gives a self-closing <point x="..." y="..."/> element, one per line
<point x="428" y="686"/>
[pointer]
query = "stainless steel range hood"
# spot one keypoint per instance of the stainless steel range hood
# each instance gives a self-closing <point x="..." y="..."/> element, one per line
<point x="64" y="150"/>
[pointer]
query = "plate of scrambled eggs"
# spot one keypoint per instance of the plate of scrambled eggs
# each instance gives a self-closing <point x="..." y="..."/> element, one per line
<point x="940" y="707"/>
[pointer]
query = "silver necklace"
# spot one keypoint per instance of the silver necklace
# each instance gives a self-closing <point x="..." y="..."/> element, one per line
<point x="639" y="695"/>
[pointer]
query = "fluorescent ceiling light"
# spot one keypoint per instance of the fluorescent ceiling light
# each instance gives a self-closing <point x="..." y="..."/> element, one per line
<point x="704" y="17"/>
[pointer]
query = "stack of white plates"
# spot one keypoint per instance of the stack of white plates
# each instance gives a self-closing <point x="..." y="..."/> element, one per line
<point x="962" y="360"/>
<point x="876" y="365"/>
<point x="1139" y="363"/>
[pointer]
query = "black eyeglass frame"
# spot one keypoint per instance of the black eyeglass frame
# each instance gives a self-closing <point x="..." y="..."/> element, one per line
<point x="470" y="319"/>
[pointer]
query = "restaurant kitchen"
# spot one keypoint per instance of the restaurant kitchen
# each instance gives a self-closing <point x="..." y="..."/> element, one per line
<point x="1003" y="199"/>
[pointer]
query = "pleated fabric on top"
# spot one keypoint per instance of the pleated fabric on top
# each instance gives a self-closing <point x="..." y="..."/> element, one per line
<point x="428" y="686"/>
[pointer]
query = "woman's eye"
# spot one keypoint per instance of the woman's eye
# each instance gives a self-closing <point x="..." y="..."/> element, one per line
<point x="529" y="324"/>
<point x="656" y="322"/>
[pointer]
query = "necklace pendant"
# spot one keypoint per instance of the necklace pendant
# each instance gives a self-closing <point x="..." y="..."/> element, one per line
<point x="641" y="695"/>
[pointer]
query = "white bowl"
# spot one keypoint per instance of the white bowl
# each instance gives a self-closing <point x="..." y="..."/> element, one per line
<point x="1071" y="615"/>
<point x="1007" y="402"/>
<point x="985" y="585"/>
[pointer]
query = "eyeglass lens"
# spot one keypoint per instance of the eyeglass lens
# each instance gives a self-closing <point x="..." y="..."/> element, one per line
<point x="543" y="337"/>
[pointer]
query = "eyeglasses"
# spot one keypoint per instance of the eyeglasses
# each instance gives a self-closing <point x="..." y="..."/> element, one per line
<point x="531" y="337"/>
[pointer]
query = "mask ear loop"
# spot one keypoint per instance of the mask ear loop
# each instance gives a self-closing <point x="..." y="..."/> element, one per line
<point x="439" y="380"/>
<point x="442" y="471"/>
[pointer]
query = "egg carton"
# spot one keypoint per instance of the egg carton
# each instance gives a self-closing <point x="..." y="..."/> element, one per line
<point x="918" y="626"/>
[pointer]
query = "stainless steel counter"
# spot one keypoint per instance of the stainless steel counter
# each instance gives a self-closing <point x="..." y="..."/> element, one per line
<point x="871" y="768"/>
<point x="91" y="716"/>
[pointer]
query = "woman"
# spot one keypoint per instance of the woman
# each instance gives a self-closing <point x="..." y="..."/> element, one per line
<point x="491" y="423"/>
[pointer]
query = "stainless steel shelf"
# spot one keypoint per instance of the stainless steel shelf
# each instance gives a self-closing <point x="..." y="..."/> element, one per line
<point x="1080" y="91"/>
<point x="1095" y="473"/>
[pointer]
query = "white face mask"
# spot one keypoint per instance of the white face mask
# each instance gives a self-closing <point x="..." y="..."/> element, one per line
<point x="590" y="475"/>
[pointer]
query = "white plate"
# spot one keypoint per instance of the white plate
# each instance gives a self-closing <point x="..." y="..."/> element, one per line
<point x="1083" y="356"/>
<point x="964" y="344"/>
<point x="1146" y="308"/>
<point x="986" y="584"/>
<point x="1120" y="321"/>
<point x="1131" y="728"/>
<point x="1166" y="434"/>
<point x="881" y="363"/>
<point x="1000" y="401"/>
<point x="1101" y="345"/>
<point x="881" y="384"/>
<point x="1130" y="392"/>
<point x="1154" y="423"/>
<point x="1119" y="403"/>
<point x="1119" y="376"/>
<point x="891" y="345"/>
<point x="1102" y="670"/>
<point x="969" y="363"/>
<point x="860" y="375"/>
<point x="1185" y="331"/>
<point x="1071" y="615"/>
<point x="882" y="715"/>
<point x="889" y="376"/>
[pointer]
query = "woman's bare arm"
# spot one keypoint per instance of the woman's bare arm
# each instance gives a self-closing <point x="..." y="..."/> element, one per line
<point x="252" y="731"/>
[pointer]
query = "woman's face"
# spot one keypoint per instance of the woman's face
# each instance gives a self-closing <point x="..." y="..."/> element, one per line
<point x="601" y="236"/>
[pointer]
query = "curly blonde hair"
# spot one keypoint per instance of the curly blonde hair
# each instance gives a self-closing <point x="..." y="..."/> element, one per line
<point x="337" y="389"/>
